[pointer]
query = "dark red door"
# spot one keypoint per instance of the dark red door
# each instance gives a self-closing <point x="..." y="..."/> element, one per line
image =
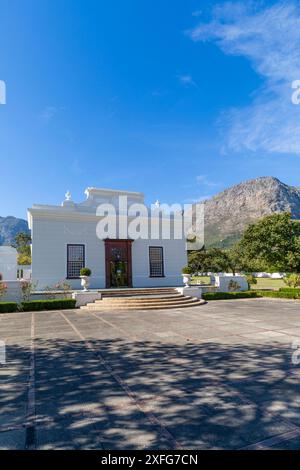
<point x="118" y="263"/>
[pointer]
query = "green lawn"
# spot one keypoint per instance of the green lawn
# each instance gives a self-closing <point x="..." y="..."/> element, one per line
<point x="266" y="283"/>
<point x="262" y="283"/>
<point x="200" y="279"/>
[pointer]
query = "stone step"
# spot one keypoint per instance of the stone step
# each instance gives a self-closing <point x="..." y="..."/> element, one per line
<point x="113" y="300"/>
<point x="127" y="300"/>
<point x="162" y="306"/>
<point x="136" y="292"/>
<point x="132" y="303"/>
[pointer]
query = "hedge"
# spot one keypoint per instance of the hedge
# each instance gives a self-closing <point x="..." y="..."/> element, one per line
<point x="292" y="290"/>
<point x="229" y="295"/>
<point x="7" y="307"/>
<point x="57" y="304"/>
<point x="279" y="294"/>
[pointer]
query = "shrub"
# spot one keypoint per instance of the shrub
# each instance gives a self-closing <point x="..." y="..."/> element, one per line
<point x="3" y="289"/>
<point x="27" y="288"/>
<point x="229" y="295"/>
<point x="290" y="289"/>
<point x="7" y="307"/>
<point x="279" y="294"/>
<point x="62" y="286"/>
<point x="36" y="305"/>
<point x="85" y="272"/>
<point x="292" y="280"/>
<point x="186" y="270"/>
<point x="251" y="280"/>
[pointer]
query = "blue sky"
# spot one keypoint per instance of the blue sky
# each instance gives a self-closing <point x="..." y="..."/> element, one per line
<point x="176" y="99"/>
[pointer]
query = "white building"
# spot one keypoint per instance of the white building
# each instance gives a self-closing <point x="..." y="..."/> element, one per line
<point x="8" y="263"/>
<point x="66" y="238"/>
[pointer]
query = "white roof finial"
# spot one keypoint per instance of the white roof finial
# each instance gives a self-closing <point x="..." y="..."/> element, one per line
<point x="68" y="196"/>
<point x="157" y="204"/>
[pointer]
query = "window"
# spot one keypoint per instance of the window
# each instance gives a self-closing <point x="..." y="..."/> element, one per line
<point x="75" y="260"/>
<point x="156" y="258"/>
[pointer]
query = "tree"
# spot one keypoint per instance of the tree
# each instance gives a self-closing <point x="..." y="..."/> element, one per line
<point x="292" y="280"/>
<point x="271" y="244"/>
<point x="22" y="245"/>
<point x="213" y="259"/>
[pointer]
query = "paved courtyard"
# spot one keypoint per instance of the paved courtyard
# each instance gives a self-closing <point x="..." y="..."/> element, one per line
<point x="218" y="376"/>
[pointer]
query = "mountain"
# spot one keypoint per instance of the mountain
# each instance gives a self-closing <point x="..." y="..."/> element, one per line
<point x="228" y="213"/>
<point x="9" y="227"/>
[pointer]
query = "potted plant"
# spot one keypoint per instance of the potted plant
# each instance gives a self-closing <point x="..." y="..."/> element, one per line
<point x="186" y="274"/>
<point x="85" y="274"/>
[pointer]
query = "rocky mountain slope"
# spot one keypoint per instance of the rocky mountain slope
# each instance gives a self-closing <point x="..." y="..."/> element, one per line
<point x="9" y="227"/>
<point x="228" y="213"/>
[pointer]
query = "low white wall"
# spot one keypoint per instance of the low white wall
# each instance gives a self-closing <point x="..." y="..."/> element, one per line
<point x="83" y="298"/>
<point x="270" y="275"/>
<point x="222" y="283"/>
<point x="192" y="291"/>
<point x="8" y="263"/>
<point x="13" y="293"/>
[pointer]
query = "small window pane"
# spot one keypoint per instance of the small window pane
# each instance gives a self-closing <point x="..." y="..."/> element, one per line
<point x="156" y="261"/>
<point x="76" y="261"/>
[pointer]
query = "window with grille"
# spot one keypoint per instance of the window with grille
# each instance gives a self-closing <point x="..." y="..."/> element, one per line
<point x="75" y="260"/>
<point x="156" y="258"/>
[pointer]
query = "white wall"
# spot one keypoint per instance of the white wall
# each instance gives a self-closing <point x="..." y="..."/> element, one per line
<point x="49" y="251"/>
<point x="50" y="238"/>
<point x="222" y="283"/>
<point x="175" y="258"/>
<point x="13" y="293"/>
<point x="8" y="263"/>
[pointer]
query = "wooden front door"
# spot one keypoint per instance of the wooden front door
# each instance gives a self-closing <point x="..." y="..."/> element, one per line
<point x="118" y="263"/>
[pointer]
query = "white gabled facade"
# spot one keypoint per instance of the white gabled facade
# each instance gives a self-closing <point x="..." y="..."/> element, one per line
<point x="60" y="234"/>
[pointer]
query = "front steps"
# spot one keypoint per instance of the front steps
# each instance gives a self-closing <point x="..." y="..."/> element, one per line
<point x="142" y="299"/>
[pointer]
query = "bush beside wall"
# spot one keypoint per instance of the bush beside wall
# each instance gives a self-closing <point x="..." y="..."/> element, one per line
<point x="7" y="307"/>
<point x="284" y="293"/>
<point x="58" y="304"/>
<point x="229" y="295"/>
<point x="280" y="294"/>
<point x="292" y="290"/>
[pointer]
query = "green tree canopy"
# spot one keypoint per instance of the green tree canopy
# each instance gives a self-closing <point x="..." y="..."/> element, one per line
<point x="271" y="244"/>
<point x="213" y="259"/>
<point x="22" y="245"/>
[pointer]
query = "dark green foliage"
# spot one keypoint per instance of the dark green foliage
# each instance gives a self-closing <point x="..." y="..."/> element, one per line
<point x="271" y="244"/>
<point x="22" y="244"/>
<point x="279" y="294"/>
<point x="251" y="279"/>
<point x="229" y="295"/>
<point x="292" y="290"/>
<point x="7" y="307"/>
<point x="85" y="272"/>
<point x="36" y="305"/>
<point x="214" y="260"/>
<point x="187" y="270"/>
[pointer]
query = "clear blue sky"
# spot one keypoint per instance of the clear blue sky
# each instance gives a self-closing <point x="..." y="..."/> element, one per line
<point x="175" y="99"/>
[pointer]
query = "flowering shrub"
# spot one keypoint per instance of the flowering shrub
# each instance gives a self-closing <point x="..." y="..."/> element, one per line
<point x="27" y="287"/>
<point x="3" y="289"/>
<point x="63" y="286"/>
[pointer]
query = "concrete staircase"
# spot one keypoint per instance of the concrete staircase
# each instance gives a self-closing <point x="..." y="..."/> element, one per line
<point x="142" y="299"/>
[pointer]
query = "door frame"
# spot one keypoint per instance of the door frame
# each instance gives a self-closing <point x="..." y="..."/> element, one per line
<point x="127" y="243"/>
